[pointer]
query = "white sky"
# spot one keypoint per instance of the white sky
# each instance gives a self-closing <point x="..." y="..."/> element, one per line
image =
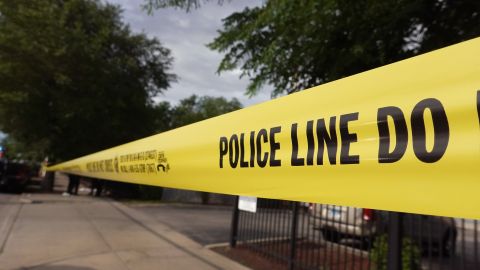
<point x="186" y="34"/>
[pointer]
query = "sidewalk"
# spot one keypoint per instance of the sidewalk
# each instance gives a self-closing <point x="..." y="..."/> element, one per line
<point x="48" y="231"/>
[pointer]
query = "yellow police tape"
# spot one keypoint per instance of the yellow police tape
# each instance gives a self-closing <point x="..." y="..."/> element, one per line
<point x="404" y="137"/>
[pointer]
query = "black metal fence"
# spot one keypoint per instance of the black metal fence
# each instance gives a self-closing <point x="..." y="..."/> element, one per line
<point x="319" y="236"/>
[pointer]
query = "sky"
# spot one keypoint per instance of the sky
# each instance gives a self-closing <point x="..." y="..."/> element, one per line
<point x="186" y="35"/>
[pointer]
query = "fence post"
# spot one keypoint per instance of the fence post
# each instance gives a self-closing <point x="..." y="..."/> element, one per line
<point x="395" y="235"/>
<point x="293" y="237"/>
<point x="234" y="225"/>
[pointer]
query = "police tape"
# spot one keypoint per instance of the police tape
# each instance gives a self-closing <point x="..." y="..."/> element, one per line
<point x="403" y="137"/>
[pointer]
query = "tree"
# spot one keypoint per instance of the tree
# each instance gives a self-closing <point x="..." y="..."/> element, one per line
<point x="162" y="112"/>
<point x="17" y="151"/>
<point x="74" y="79"/>
<point x="194" y="109"/>
<point x="293" y="45"/>
<point x="187" y="5"/>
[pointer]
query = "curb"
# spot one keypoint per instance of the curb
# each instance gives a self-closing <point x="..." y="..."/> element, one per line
<point x="179" y="240"/>
<point x="12" y="212"/>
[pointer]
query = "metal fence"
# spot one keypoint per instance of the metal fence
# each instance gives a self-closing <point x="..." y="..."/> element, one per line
<point x="319" y="236"/>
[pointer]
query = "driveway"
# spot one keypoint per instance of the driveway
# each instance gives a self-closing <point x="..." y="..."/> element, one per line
<point x="205" y="224"/>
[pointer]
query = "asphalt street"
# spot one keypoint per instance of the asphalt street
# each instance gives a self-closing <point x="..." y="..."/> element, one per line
<point x="208" y="225"/>
<point x="203" y="223"/>
<point x="49" y="231"/>
<point x="211" y="225"/>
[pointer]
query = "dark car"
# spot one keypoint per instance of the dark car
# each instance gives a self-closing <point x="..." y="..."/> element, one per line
<point x="14" y="175"/>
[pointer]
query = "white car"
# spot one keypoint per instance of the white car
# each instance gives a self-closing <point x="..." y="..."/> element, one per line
<point x="340" y="222"/>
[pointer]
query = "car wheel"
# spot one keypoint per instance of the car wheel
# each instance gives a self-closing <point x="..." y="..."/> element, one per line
<point x="330" y="235"/>
<point x="448" y="243"/>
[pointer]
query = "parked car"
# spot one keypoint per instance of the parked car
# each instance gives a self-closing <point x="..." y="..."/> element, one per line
<point x="14" y="174"/>
<point x="339" y="223"/>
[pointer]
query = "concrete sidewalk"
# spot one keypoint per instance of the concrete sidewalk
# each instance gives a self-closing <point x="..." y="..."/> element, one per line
<point x="49" y="231"/>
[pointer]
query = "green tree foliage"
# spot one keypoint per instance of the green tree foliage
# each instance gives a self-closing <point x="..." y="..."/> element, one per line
<point x="191" y="110"/>
<point x="293" y="45"/>
<point x="411" y="255"/>
<point x="194" y="109"/>
<point x="74" y="79"/>
<point x="187" y="5"/>
<point x="162" y="116"/>
<point x="18" y="151"/>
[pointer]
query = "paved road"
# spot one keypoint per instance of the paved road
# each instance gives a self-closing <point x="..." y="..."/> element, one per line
<point x="211" y="224"/>
<point x="204" y="224"/>
<point x="50" y="231"/>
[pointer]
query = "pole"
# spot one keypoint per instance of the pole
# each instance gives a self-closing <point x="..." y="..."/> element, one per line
<point x="234" y="225"/>
<point x="293" y="237"/>
<point x="395" y="235"/>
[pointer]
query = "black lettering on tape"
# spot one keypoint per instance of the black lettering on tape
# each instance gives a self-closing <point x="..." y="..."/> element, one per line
<point x="347" y="139"/>
<point x="310" y="142"/>
<point x="328" y="139"/>
<point x="223" y="149"/>
<point x="274" y="146"/>
<point x="233" y="154"/>
<point x="401" y="132"/>
<point x="261" y="162"/>
<point x="295" y="160"/>
<point x="243" y="163"/>
<point x="440" y="126"/>
<point x="252" y="149"/>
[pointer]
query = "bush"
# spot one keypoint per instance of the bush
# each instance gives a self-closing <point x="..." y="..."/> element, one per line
<point x="410" y="254"/>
